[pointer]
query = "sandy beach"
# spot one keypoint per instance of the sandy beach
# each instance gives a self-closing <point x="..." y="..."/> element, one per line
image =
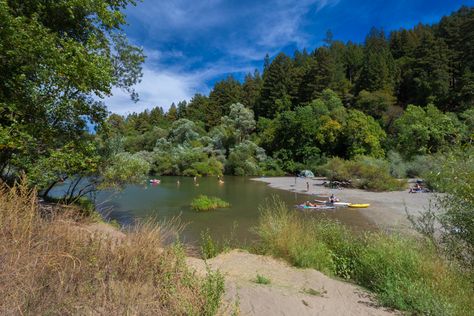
<point x="387" y="209"/>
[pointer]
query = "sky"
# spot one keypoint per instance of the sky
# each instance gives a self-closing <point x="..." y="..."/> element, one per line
<point x="191" y="44"/>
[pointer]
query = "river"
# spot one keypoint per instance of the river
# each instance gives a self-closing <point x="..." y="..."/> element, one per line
<point x="171" y="199"/>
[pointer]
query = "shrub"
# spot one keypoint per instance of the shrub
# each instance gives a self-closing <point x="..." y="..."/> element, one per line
<point x="419" y="166"/>
<point x="363" y="172"/>
<point x="260" y="279"/>
<point x="398" y="167"/>
<point x="209" y="247"/>
<point x="207" y="203"/>
<point x="405" y="273"/>
<point x="454" y="177"/>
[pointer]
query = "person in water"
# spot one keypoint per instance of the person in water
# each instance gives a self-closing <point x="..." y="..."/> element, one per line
<point x="333" y="199"/>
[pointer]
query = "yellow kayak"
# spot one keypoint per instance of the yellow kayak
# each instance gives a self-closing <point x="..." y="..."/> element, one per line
<point x="359" y="205"/>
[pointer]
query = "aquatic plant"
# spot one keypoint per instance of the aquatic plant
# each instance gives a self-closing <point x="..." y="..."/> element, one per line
<point x="205" y="203"/>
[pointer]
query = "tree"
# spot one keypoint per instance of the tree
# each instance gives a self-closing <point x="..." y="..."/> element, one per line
<point x="241" y="119"/>
<point x="422" y="131"/>
<point x="374" y="103"/>
<point x="172" y="113"/>
<point x="57" y="59"/>
<point x="224" y="93"/>
<point x="251" y="89"/>
<point x="363" y="135"/>
<point x="275" y="86"/>
<point x="378" y="68"/>
<point x="196" y="109"/>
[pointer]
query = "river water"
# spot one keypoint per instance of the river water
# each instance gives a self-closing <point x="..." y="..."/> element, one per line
<point x="169" y="200"/>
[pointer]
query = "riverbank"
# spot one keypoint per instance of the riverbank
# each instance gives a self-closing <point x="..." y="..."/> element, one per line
<point x="388" y="210"/>
<point x="290" y="291"/>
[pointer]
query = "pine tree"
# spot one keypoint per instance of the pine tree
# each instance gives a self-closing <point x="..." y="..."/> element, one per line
<point x="378" y="70"/>
<point x="251" y="88"/>
<point x="224" y="93"/>
<point x="275" y="86"/>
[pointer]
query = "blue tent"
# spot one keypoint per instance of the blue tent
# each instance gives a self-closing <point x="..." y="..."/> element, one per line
<point x="306" y="174"/>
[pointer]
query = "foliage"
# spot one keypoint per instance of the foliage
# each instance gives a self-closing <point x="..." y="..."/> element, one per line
<point x="206" y="203"/>
<point x="406" y="273"/>
<point x="58" y="60"/>
<point x="363" y="135"/>
<point x="363" y="172"/>
<point x="454" y="176"/>
<point x="125" y="168"/>
<point x="422" y="131"/>
<point x="244" y="159"/>
<point x="260" y="279"/>
<point x="398" y="167"/>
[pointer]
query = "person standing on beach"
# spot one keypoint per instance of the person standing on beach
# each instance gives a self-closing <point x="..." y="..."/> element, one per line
<point x="307" y="186"/>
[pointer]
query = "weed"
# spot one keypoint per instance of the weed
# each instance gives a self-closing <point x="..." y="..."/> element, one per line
<point x="260" y="279"/>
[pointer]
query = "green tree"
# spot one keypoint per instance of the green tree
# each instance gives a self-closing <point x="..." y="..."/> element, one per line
<point x="374" y="103"/>
<point x="275" y="86"/>
<point x="251" y="89"/>
<point x="378" y="68"/>
<point x="57" y="59"/>
<point x="224" y="93"/>
<point x="363" y="135"/>
<point x="422" y="131"/>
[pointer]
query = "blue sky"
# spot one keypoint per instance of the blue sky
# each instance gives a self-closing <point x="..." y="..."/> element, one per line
<point x="191" y="44"/>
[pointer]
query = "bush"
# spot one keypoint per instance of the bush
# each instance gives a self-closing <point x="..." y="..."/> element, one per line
<point x="454" y="177"/>
<point x="420" y="166"/>
<point x="405" y="273"/>
<point x="398" y="167"/>
<point x="363" y="172"/>
<point x="206" y="203"/>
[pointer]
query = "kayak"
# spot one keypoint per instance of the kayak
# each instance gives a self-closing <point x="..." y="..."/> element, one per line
<point x="319" y="207"/>
<point x="341" y="204"/>
<point x="359" y="205"/>
<point x="332" y="204"/>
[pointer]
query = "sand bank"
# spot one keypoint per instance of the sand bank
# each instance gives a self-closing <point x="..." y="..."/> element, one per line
<point x="387" y="209"/>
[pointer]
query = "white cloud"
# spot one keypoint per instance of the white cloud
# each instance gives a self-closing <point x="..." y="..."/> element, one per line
<point x="163" y="87"/>
<point x="155" y="89"/>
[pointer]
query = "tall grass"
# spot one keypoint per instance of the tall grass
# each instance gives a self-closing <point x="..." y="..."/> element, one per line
<point x="405" y="273"/>
<point x="51" y="265"/>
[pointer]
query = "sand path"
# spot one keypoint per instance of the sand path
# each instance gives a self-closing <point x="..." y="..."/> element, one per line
<point x="287" y="293"/>
<point x="387" y="209"/>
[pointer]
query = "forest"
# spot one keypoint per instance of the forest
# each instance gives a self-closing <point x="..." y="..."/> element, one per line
<point x="401" y="96"/>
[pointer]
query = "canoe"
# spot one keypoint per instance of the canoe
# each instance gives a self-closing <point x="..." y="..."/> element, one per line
<point x="359" y="205"/>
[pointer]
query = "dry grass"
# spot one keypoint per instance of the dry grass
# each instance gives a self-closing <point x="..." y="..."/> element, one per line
<point x="49" y="266"/>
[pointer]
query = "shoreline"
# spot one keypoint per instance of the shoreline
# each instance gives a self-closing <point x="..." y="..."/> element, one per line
<point x="387" y="210"/>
